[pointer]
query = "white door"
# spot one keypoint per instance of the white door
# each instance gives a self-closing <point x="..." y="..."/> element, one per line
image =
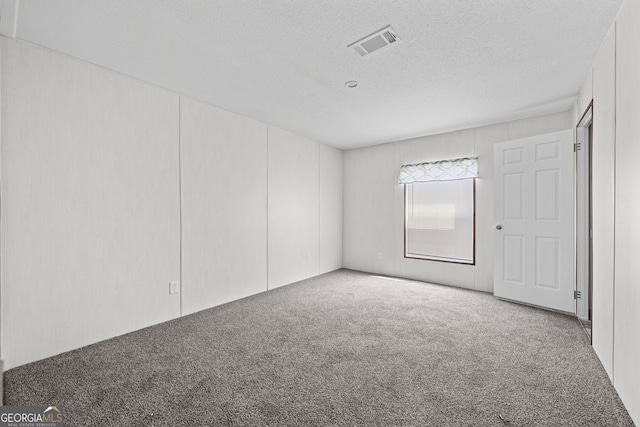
<point x="533" y="213"/>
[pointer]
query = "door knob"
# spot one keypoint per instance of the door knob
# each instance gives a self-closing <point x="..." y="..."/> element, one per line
<point x="498" y="227"/>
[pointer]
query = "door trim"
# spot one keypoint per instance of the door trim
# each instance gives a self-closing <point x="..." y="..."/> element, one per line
<point x="583" y="213"/>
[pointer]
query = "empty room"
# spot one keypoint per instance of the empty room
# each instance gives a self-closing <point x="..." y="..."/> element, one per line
<point x="310" y="213"/>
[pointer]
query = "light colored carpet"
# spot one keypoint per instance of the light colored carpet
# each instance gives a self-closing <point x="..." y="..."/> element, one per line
<point x="342" y="349"/>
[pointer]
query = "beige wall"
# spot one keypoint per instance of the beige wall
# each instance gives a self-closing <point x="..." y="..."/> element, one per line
<point x="112" y="188"/>
<point x="374" y="202"/>
<point x="614" y="86"/>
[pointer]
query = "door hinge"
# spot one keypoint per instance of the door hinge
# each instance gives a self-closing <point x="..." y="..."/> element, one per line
<point x="577" y="294"/>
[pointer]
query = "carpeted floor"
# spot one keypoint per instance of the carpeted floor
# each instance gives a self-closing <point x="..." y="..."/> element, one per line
<point x="342" y="349"/>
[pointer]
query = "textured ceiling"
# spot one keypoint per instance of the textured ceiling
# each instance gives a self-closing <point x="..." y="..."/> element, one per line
<point x="460" y="64"/>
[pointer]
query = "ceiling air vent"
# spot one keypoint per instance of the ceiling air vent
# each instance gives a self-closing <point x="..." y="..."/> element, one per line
<point x="376" y="41"/>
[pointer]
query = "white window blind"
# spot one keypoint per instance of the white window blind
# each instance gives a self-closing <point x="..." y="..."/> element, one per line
<point x="440" y="221"/>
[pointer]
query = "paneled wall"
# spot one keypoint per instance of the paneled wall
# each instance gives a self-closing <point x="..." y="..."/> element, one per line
<point x="224" y="206"/>
<point x="369" y="188"/>
<point x="614" y="86"/>
<point x="112" y="188"/>
<point x="626" y="332"/>
<point x="294" y="217"/>
<point x="603" y="90"/>
<point x="330" y="208"/>
<point x="374" y="201"/>
<point x="1" y="361"/>
<point x="90" y="204"/>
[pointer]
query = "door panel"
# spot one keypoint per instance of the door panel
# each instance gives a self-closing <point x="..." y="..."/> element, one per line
<point x="534" y="220"/>
<point x="513" y="260"/>
<point x="514" y="205"/>
<point x="547" y="262"/>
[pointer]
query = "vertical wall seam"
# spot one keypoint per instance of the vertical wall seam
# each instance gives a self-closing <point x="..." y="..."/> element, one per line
<point x="267" y="208"/>
<point x="395" y="219"/>
<point x="615" y="172"/>
<point x="319" y="208"/>
<point x="15" y="19"/>
<point x="342" y="184"/>
<point x="180" y="194"/>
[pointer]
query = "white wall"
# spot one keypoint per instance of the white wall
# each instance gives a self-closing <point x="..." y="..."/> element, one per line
<point x="626" y="332"/>
<point x="330" y="208"/>
<point x="294" y="208"/>
<point x="374" y="202"/>
<point x="90" y="204"/>
<point x="105" y="177"/>
<point x="614" y="85"/>
<point x="586" y="93"/>
<point x="603" y="151"/>
<point x="369" y="191"/>
<point x="224" y="206"/>
<point x="1" y="199"/>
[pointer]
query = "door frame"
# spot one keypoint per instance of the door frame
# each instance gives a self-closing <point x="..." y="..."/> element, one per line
<point x="583" y="213"/>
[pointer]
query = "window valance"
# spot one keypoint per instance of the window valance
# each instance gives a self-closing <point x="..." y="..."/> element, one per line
<point x="442" y="170"/>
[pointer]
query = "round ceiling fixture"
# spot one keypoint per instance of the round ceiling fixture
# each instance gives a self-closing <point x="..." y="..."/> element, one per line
<point x="351" y="84"/>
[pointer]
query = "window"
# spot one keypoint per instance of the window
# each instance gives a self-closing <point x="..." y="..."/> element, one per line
<point x="440" y="217"/>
